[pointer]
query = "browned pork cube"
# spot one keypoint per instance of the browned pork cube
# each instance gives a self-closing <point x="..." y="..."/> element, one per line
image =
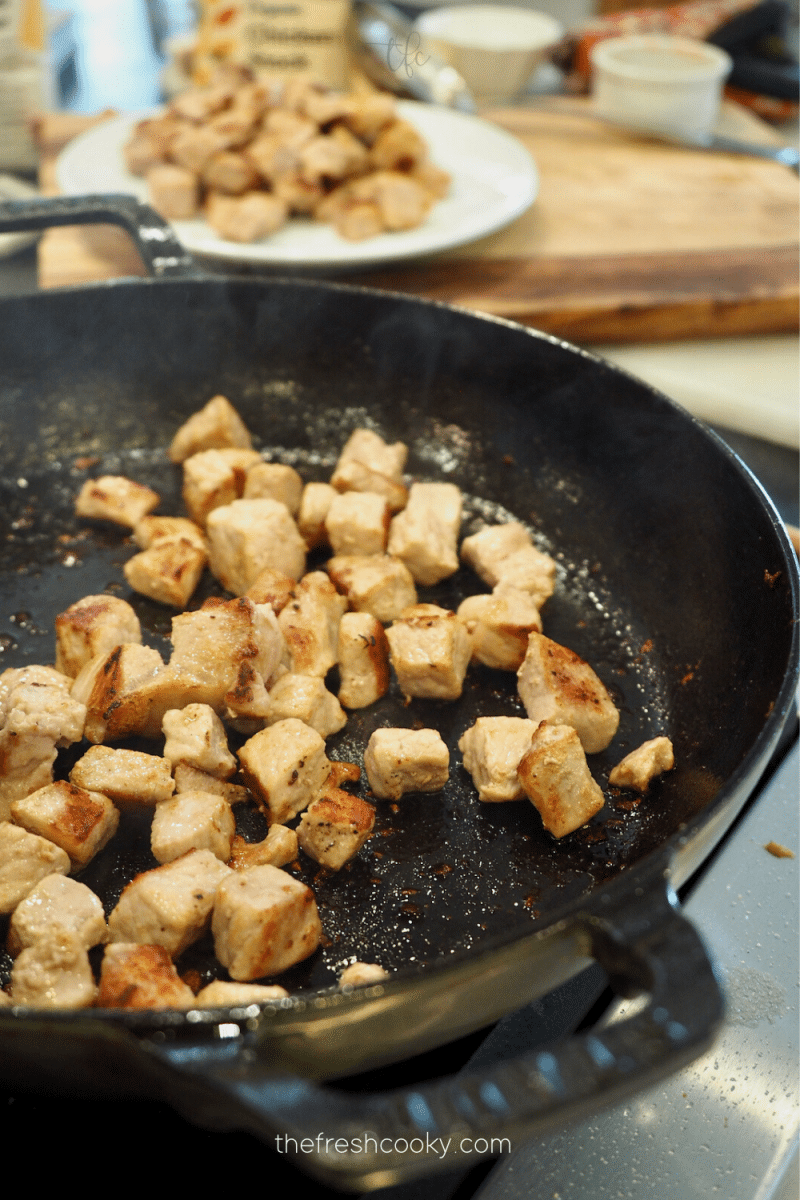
<point x="492" y="749"/>
<point x="173" y="191"/>
<point x="264" y="922"/>
<point x="213" y="427"/>
<point x="193" y="146"/>
<point x="128" y="777"/>
<point x="363" y="654"/>
<point x="556" y="685"/>
<point x="358" y="220"/>
<point x="210" y="480"/>
<point x="406" y="760"/>
<point x="358" y="523"/>
<point x="168" y="572"/>
<point x="333" y="829"/>
<point x="115" y="498"/>
<point x="221" y="993"/>
<point x="377" y="584"/>
<point x="499" y="626"/>
<point x="195" y="735"/>
<point x="505" y="557"/>
<point x="37" y="715"/>
<point x="360" y="974"/>
<point x="230" y="172"/>
<point x="246" y="218"/>
<point x="430" y="652"/>
<point x="398" y="147"/>
<point x="57" y="904"/>
<point x="275" y="481"/>
<point x="310" y="625"/>
<point x="25" y="859"/>
<point x="278" y="848"/>
<point x="151" y="531"/>
<point x="273" y="588"/>
<point x="54" y="973"/>
<point x="306" y="698"/>
<point x="247" y="536"/>
<point x="285" y="767"/>
<point x="141" y="976"/>
<point x="401" y="201"/>
<point x="425" y="534"/>
<point x="92" y="626"/>
<point x="80" y="822"/>
<point x="556" y="778"/>
<point x="368" y="464"/>
<point x="315" y="504"/>
<point x="637" y="769"/>
<point x="192" y="821"/>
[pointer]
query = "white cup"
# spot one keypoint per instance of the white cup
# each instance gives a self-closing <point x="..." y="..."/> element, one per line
<point x="494" y="47"/>
<point x="659" y="82"/>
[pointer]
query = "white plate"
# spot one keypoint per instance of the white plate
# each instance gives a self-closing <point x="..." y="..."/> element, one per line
<point x="494" y="180"/>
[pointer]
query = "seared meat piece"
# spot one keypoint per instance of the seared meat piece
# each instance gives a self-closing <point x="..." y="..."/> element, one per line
<point x="37" y="715"/>
<point x="363" y="654"/>
<point x="115" y="498"/>
<point x="249" y="535"/>
<point x="168" y="572"/>
<point x="401" y="201"/>
<point x="210" y="480"/>
<point x="264" y="922"/>
<point x="557" y="686"/>
<point x="406" y="760"/>
<point x="173" y="190"/>
<point x="275" y="482"/>
<point x="329" y="158"/>
<point x="310" y="625"/>
<point x="216" y="425"/>
<point x="398" y="147"/>
<point x="333" y="829"/>
<point x="425" y="534"/>
<point x="199" y="104"/>
<point x="315" y="504"/>
<point x="128" y="777"/>
<point x="273" y="588"/>
<point x="57" y="904"/>
<point x="505" y="555"/>
<point x="80" y="822"/>
<point x="169" y="906"/>
<point x="152" y="531"/>
<point x="285" y="767"/>
<point x="493" y="748"/>
<point x="246" y="218"/>
<point x="556" y="778"/>
<point x="222" y="994"/>
<point x="368" y="113"/>
<point x="54" y="972"/>
<point x="141" y="976"/>
<point x="195" y="735"/>
<point x="359" y="974"/>
<point x="358" y="523"/>
<point x="356" y="220"/>
<point x="376" y="583"/>
<point x="637" y="769"/>
<point x="193" y="147"/>
<point x="189" y="779"/>
<point x="25" y="859"/>
<point x="272" y="157"/>
<point x="92" y="626"/>
<point x="368" y="464"/>
<point x="278" y="848"/>
<point x="499" y="625"/>
<point x="192" y="821"/>
<point x="306" y="698"/>
<point x="430" y="652"/>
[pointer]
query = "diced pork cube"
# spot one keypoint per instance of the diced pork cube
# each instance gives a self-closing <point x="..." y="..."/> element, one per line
<point x="638" y="768"/>
<point x="368" y="113"/>
<point x="376" y="584"/>
<point x="151" y="531"/>
<point x="356" y="220"/>
<point x="115" y="498"/>
<point x="128" y="777"/>
<point x="402" y="202"/>
<point x="333" y="829"/>
<point x="189" y="779"/>
<point x="210" y="481"/>
<point x="193" y="146"/>
<point x="198" y="104"/>
<point x="274" y="481"/>
<point x="363" y="655"/>
<point x="78" y="821"/>
<point x="285" y="767"/>
<point x="425" y="534"/>
<point x="54" y="973"/>
<point x="557" y="686"/>
<point x="230" y="172"/>
<point x="37" y="715"/>
<point x="398" y="147"/>
<point x="278" y="848"/>
<point x="430" y="652"/>
<point x="173" y="191"/>
<point x="505" y="555"/>
<point x="57" y="904"/>
<point x="310" y="625"/>
<point x="499" y="625"/>
<point x="92" y="626"/>
<point x="492" y="749"/>
<point x="249" y="535"/>
<point x="141" y="976"/>
<point x="192" y="821"/>
<point x="358" y="523"/>
<point x="246" y="218"/>
<point x="406" y="760"/>
<point x="216" y="425"/>
<point x="25" y="859"/>
<point x="306" y="698"/>
<point x="556" y="778"/>
<point x="264" y="922"/>
<point x="169" y="906"/>
<point x="195" y="735"/>
<point x="360" y="974"/>
<point x="168" y="572"/>
<point x="315" y="504"/>
<point x="368" y="464"/>
<point x="273" y="588"/>
<point x="223" y="994"/>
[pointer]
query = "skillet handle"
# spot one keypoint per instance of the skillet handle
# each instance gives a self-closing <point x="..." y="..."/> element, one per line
<point x="646" y="947"/>
<point x="162" y="254"/>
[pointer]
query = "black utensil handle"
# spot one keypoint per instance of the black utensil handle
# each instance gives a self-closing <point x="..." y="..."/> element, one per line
<point x="161" y="252"/>
<point x="368" y="1141"/>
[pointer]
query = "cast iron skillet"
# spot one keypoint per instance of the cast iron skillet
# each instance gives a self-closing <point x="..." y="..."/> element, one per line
<point x="676" y="582"/>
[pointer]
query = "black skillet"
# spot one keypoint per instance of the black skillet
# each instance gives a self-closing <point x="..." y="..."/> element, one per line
<point x="676" y="581"/>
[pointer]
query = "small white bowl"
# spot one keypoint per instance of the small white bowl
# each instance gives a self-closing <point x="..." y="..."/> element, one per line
<point x="494" y="47"/>
<point x="659" y="82"/>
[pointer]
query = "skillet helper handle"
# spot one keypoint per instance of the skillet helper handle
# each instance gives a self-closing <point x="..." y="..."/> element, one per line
<point x="369" y="1141"/>
<point x="161" y="252"/>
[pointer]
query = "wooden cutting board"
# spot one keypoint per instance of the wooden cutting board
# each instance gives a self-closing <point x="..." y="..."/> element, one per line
<point x="629" y="240"/>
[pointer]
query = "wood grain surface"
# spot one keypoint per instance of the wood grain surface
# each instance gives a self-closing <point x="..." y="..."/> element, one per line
<point x="629" y="240"/>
